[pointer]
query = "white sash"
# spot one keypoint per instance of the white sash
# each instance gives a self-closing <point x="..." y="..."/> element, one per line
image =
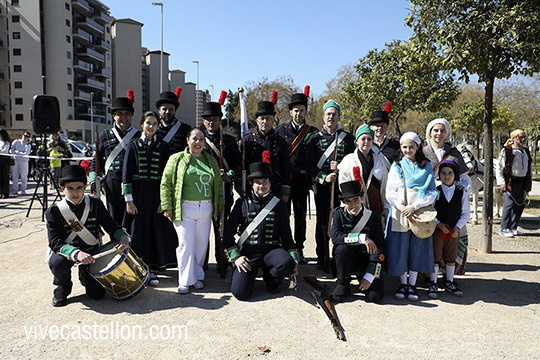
<point x="123" y="143"/>
<point x="172" y="132"/>
<point x="361" y="239"/>
<point x="330" y="149"/>
<point x="70" y="217"/>
<point x="258" y="219"/>
<point x="214" y="148"/>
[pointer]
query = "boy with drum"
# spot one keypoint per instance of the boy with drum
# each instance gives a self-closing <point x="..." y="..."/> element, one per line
<point x="73" y="232"/>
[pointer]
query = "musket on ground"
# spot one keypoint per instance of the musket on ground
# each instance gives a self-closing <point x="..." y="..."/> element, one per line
<point x="327" y="268"/>
<point x="320" y="294"/>
<point x="96" y="160"/>
<point x="222" y="262"/>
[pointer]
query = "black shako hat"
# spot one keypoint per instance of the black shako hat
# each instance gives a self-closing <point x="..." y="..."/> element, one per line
<point x="167" y="97"/>
<point x="211" y="109"/>
<point x="122" y="103"/>
<point x="298" y="99"/>
<point x="265" y="108"/>
<point x="73" y="173"/>
<point x="379" y="116"/>
<point x="259" y="170"/>
<point x="350" y="189"/>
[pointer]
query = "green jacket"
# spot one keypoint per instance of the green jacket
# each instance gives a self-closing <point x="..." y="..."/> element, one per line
<point x="173" y="179"/>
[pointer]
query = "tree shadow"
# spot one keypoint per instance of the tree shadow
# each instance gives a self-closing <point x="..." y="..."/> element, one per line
<point x="484" y="267"/>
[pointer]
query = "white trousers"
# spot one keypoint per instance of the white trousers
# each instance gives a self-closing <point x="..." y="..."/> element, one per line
<point x="20" y="168"/>
<point x="193" y="238"/>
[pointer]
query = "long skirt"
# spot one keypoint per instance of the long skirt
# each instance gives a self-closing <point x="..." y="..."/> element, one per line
<point x="153" y="236"/>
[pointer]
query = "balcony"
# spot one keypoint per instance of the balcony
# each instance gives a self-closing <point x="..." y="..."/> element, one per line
<point x="102" y="45"/>
<point x="102" y="73"/>
<point x="81" y="5"/>
<point x="91" y="84"/>
<point x="89" y="24"/>
<point x="102" y="18"/>
<point x="2" y="108"/>
<point x="82" y="66"/>
<point x="102" y="101"/>
<point x="2" y="76"/>
<point x="81" y="95"/>
<point x="82" y="36"/>
<point x="92" y="54"/>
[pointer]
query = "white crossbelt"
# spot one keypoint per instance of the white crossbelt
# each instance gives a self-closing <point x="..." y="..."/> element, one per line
<point x="358" y="228"/>
<point x="122" y="144"/>
<point x="215" y="149"/>
<point x="69" y="216"/>
<point x="172" y="132"/>
<point x="258" y="219"/>
<point x="330" y="149"/>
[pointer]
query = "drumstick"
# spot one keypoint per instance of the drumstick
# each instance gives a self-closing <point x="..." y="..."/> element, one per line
<point x="97" y="256"/>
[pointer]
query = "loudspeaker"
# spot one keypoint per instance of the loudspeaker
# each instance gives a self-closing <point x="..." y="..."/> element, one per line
<point x="46" y="111"/>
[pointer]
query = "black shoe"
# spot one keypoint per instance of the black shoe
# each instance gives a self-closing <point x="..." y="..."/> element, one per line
<point x="301" y="258"/>
<point x="272" y="289"/>
<point x="59" y="302"/>
<point x="341" y="291"/>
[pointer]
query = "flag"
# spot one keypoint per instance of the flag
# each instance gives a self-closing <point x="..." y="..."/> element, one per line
<point x="243" y="114"/>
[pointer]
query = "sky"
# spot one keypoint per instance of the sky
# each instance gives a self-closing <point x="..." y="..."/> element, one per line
<point x="238" y="41"/>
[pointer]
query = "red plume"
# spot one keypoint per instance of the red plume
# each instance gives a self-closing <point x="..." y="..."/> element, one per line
<point x="274" y="97"/>
<point x="222" y="97"/>
<point x="266" y="157"/>
<point x="178" y="92"/>
<point x="306" y="91"/>
<point x="388" y="107"/>
<point x="131" y="95"/>
<point x="356" y="173"/>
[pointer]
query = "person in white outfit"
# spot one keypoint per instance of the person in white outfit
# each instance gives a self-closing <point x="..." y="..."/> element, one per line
<point x="20" y="148"/>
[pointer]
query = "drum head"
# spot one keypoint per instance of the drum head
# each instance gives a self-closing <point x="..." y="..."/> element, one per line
<point x="107" y="263"/>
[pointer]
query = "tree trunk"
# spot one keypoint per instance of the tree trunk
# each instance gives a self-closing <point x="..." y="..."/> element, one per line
<point x="487" y="210"/>
<point x="534" y="156"/>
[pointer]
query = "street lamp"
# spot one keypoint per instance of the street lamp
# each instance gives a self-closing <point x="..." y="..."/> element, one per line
<point x="197" y="94"/>
<point x="92" y="114"/>
<point x="160" y="4"/>
<point x="212" y="86"/>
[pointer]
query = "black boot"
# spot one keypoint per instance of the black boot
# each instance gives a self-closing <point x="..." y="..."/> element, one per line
<point x="342" y="290"/>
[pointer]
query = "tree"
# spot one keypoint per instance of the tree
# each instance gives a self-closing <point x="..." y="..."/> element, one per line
<point x="490" y="38"/>
<point x="533" y="132"/>
<point x="233" y="103"/>
<point x="396" y="74"/>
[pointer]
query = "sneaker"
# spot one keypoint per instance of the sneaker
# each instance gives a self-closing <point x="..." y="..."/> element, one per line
<point x="506" y="233"/>
<point x="198" y="285"/>
<point x="183" y="289"/>
<point x="154" y="281"/>
<point x="23" y="192"/>
<point x="401" y="292"/>
<point x="412" y="294"/>
<point x="516" y="232"/>
<point x="453" y="289"/>
<point x="432" y="292"/>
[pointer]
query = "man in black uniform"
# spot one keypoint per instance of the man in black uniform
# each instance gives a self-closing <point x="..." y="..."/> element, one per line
<point x="73" y="228"/>
<point x="296" y="133"/>
<point x="379" y="124"/>
<point x="322" y="168"/>
<point x="357" y="236"/>
<point x="264" y="142"/>
<point x="112" y="145"/>
<point x="265" y="242"/>
<point x="218" y="143"/>
<point x="171" y="130"/>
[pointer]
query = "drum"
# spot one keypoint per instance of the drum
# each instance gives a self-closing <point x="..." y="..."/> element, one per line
<point x="123" y="275"/>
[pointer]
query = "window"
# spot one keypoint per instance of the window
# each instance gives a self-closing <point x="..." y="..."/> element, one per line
<point x="108" y="56"/>
<point x="15" y="2"/>
<point x="69" y="87"/>
<point x="68" y="23"/>
<point x="19" y="117"/>
<point x="16" y="52"/>
<point x="17" y="68"/>
<point x="17" y="84"/>
<point x="70" y="103"/>
<point x="68" y="39"/>
<point x="16" y="35"/>
<point x="108" y="83"/>
<point x="67" y="6"/>
<point x="15" y="18"/>
<point x="68" y="54"/>
<point x="18" y="101"/>
<point x="69" y="71"/>
<point x="108" y="30"/>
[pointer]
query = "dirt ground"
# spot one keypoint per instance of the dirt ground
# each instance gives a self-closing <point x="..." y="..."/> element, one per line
<point x="499" y="316"/>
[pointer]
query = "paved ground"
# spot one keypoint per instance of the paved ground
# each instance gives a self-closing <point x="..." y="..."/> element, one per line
<point x="499" y="316"/>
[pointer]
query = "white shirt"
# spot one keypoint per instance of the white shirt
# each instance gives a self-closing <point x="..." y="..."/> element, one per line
<point x="448" y="192"/>
<point x="395" y="192"/>
<point x="519" y="164"/>
<point x="4" y="147"/>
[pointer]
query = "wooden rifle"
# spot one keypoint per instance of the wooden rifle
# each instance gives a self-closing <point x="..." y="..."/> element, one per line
<point x="327" y="268"/>
<point x="220" y="247"/>
<point x="96" y="160"/>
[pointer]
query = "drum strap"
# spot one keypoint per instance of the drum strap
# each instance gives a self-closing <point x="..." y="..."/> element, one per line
<point x="258" y="219"/>
<point x="330" y="149"/>
<point x="122" y="144"/>
<point x="76" y="224"/>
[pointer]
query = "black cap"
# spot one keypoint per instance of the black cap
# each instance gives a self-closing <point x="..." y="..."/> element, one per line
<point x="259" y="170"/>
<point x="211" y="109"/>
<point x="265" y="108"/>
<point x="379" y="116"/>
<point x="73" y="173"/>
<point x="167" y="97"/>
<point x="350" y="189"/>
<point x="122" y="103"/>
<point x="298" y="99"/>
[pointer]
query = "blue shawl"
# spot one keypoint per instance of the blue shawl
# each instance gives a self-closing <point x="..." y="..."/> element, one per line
<point x="417" y="178"/>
